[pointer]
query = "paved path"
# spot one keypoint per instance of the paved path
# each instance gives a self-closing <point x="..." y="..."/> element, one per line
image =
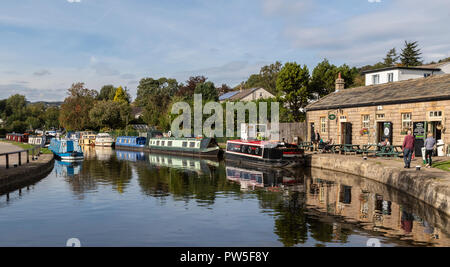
<point x="13" y="159"/>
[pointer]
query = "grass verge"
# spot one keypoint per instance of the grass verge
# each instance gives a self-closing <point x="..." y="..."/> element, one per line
<point x="26" y="146"/>
<point x="445" y="165"/>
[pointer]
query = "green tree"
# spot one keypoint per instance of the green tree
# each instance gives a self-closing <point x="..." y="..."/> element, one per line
<point x="74" y="113"/>
<point x="107" y="93"/>
<point x="51" y="118"/>
<point x="293" y="88"/>
<point x="269" y="75"/>
<point x="149" y="88"/>
<point x="208" y="91"/>
<point x="391" y="58"/>
<point x="187" y="89"/>
<point x="410" y="55"/>
<point x="323" y="78"/>
<point x="106" y="114"/>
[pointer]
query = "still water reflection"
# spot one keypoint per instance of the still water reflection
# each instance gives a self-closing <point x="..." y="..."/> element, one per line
<point x="120" y="198"/>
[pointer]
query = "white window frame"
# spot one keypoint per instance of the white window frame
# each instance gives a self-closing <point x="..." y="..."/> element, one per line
<point x="390" y="77"/>
<point x="376" y="79"/>
<point x="323" y="124"/>
<point x="406" y="120"/>
<point x="366" y="121"/>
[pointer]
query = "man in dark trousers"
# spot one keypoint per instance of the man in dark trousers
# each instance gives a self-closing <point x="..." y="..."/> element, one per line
<point x="408" y="149"/>
<point x="313" y="139"/>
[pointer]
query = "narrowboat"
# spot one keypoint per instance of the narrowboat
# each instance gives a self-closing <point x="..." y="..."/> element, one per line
<point x="20" y="138"/>
<point x="272" y="154"/>
<point x="66" y="149"/>
<point x="104" y="140"/>
<point x="131" y="142"/>
<point x="88" y="138"/>
<point x="204" y="147"/>
<point x="37" y="140"/>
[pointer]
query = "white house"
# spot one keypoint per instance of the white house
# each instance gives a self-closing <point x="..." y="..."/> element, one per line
<point x="246" y="95"/>
<point x="399" y="73"/>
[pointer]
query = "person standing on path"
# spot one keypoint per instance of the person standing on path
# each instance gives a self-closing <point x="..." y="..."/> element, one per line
<point x="408" y="149"/>
<point x="313" y="139"/>
<point x="430" y="144"/>
<point x="316" y="144"/>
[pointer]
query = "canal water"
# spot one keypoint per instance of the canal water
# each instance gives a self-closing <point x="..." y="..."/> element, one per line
<point x="120" y="198"/>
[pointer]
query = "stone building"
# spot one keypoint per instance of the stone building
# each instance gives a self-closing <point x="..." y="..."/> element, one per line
<point x="369" y="114"/>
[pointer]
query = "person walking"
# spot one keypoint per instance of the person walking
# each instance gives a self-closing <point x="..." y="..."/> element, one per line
<point x="430" y="144"/>
<point x="408" y="149"/>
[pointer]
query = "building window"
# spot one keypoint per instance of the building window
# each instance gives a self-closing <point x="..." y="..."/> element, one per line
<point x="435" y="114"/>
<point x="390" y="77"/>
<point x="376" y="79"/>
<point x="407" y="121"/>
<point x="366" y="121"/>
<point x="323" y="125"/>
<point x="380" y="116"/>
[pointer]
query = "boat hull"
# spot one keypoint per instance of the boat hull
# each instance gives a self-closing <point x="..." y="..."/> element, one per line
<point x="69" y="156"/>
<point x="243" y="160"/>
<point x="198" y="153"/>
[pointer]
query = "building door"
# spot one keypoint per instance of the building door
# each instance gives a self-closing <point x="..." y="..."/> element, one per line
<point x="313" y="131"/>
<point x="346" y="129"/>
<point x="419" y="135"/>
<point x="384" y="131"/>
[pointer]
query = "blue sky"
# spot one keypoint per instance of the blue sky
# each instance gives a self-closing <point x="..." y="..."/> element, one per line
<point x="47" y="45"/>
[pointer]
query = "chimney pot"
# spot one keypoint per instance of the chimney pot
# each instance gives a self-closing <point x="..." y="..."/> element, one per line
<point x="340" y="83"/>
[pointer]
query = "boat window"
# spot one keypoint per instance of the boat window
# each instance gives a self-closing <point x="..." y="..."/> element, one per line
<point x="163" y="143"/>
<point x="234" y="147"/>
<point x="169" y="143"/>
<point x="157" y="143"/>
<point x="185" y="144"/>
<point x="192" y="144"/>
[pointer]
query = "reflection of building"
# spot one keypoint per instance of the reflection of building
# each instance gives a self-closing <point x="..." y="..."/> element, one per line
<point x="67" y="169"/>
<point x="356" y="202"/>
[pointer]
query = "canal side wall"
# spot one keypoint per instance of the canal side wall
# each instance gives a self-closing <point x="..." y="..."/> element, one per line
<point x="31" y="172"/>
<point x="429" y="186"/>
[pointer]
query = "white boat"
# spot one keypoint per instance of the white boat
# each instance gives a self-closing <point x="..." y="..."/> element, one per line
<point x="37" y="140"/>
<point x="104" y="139"/>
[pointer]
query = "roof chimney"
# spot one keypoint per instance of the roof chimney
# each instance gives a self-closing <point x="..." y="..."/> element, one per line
<point x="340" y="83"/>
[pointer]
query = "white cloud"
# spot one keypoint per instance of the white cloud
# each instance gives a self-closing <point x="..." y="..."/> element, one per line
<point x="74" y="1"/>
<point x="374" y="1"/>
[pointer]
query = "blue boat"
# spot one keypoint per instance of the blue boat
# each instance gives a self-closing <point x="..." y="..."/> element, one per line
<point x="131" y="142"/>
<point x="66" y="149"/>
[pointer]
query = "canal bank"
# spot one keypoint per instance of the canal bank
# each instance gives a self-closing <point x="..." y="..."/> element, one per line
<point x="431" y="186"/>
<point x="27" y="173"/>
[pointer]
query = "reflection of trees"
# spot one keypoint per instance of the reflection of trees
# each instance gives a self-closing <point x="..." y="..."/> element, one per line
<point x="109" y="172"/>
<point x="184" y="185"/>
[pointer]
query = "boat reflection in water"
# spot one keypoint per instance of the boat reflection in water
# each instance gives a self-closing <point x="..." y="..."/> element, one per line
<point x="190" y="164"/>
<point x="68" y="169"/>
<point x="272" y="180"/>
<point x="99" y="153"/>
<point x="133" y="156"/>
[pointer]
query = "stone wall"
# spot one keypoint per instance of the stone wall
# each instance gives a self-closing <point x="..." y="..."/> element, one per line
<point x="392" y="113"/>
<point x="289" y="131"/>
<point x="431" y="187"/>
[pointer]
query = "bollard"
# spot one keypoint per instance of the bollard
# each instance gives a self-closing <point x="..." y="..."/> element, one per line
<point x="28" y="156"/>
<point x="7" y="161"/>
<point x="20" y="158"/>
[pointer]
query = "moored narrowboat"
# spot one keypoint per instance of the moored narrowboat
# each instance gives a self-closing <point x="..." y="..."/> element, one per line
<point x="204" y="147"/>
<point x="131" y="142"/>
<point x="66" y="149"/>
<point x="88" y="138"/>
<point x="37" y="140"/>
<point x="104" y="140"/>
<point x="264" y="153"/>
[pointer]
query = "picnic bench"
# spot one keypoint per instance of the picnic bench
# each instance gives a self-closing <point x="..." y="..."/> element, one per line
<point x="306" y="146"/>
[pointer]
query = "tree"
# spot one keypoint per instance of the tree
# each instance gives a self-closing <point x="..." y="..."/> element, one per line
<point x="149" y="87"/>
<point x="293" y="88"/>
<point x="391" y="58"/>
<point x="269" y="76"/>
<point x="187" y="90"/>
<point x="121" y="95"/>
<point x="324" y="75"/>
<point x="410" y="55"/>
<point x="208" y="91"/>
<point x="222" y="89"/>
<point x="106" y="114"/>
<point x="107" y="93"/>
<point x="74" y="113"/>
<point x="51" y="118"/>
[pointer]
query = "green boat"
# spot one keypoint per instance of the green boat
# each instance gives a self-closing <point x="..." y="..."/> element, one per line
<point x="203" y="147"/>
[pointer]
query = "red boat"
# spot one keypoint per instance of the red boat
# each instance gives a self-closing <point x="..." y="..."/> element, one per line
<point x="265" y="153"/>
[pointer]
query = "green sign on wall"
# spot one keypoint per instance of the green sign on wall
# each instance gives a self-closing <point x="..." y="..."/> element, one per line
<point x="332" y="117"/>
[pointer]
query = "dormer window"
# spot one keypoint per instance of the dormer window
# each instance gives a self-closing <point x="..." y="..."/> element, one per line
<point x="376" y="79"/>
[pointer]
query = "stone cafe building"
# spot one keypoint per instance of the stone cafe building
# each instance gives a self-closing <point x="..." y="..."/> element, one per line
<point x="369" y="114"/>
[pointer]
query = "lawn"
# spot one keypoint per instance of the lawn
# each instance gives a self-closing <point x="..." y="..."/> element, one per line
<point x="27" y="146"/>
<point x="445" y="165"/>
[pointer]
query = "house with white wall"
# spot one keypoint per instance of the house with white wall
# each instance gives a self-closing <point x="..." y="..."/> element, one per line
<point x="246" y="95"/>
<point x="401" y="73"/>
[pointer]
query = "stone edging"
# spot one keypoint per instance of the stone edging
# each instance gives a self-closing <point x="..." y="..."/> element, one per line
<point x="13" y="177"/>
<point x="433" y="188"/>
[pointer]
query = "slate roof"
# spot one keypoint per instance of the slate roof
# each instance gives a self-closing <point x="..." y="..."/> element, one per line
<point x="238" y="95"/>
<point x="432" y="88"/>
